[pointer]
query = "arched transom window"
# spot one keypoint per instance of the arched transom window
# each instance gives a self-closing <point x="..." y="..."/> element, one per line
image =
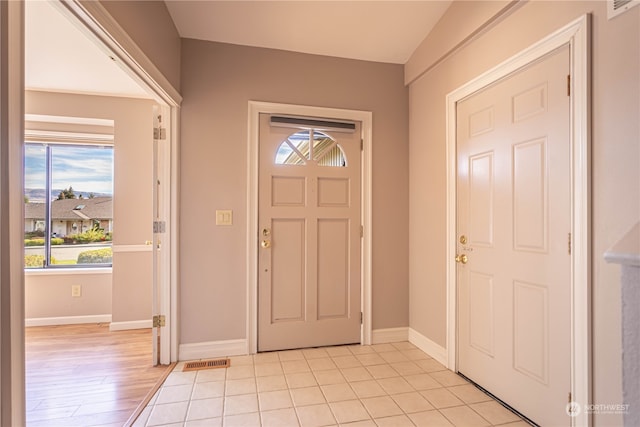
<point x="298" y="149"/>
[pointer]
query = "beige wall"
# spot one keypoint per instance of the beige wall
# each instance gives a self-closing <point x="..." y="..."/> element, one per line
<point x="218" y="80"/>
<point x="463" y="20"/>
<point x="150" y="26"/>
<point x="615" y="150"/>
<point x="49" y="295"/>
<point x="132" y="204"/>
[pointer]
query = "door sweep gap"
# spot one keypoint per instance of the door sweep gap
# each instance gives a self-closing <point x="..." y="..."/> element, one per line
<point x="500" y="401"/>
<point x="206" y="364"/>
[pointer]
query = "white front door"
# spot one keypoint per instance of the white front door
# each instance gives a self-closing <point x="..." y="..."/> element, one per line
<point x="309" y="233"/>
<point x="514" y="220"/>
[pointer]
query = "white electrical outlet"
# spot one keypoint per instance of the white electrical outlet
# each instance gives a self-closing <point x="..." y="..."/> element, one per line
<point x="76" y="290"/>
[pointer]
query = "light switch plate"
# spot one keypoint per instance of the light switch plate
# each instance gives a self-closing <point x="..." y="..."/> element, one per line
<point x="224" y="217"/>
<point x="76" y="291"/>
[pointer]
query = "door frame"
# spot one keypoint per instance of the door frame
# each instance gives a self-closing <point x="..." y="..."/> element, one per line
<point x="99" y="25"/>
<point x="576" y="35"/>
<point x="253" y="143"/>
<point x="12" y="362"/>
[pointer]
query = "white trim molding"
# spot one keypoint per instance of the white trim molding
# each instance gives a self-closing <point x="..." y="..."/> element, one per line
<point x="366" y="117"/>
<point x="211" y="349"/>
<point x="12" y="362"/>
<point x="79" y="271"/>
<point x="67" y="320"/>
<point x="383" y="336"/>
<point x="132" y="248"/>
<point x="576" y="35"/>
<point x="132" y="324"/>
<point x="436" y="351"/>
<point x="106" y="31"/>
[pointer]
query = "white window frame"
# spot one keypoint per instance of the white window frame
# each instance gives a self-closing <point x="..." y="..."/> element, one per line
<point x="56" y="138"/>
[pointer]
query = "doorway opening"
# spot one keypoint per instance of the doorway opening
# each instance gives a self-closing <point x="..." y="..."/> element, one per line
<point x="256" y="109"/>
<point x="68" y="102"/>
<point x="310" y="239"/>
<point x="513" y="221"/>
<point x="576" y="36"/>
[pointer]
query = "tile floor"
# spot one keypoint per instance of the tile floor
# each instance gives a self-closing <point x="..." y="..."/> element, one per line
<point x="381" y="385"/>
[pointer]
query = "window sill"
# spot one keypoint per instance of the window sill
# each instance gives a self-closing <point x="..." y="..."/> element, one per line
<point x="66" y="271"/>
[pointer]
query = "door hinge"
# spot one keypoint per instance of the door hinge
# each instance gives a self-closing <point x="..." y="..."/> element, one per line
<point x="570" y="405"/>
<point x="159" y="134"/>
<point x="159" y="321"/>
<point x="362" y="231"/>
<point x="568" y="85"/>
<point x="569" y="243"/>
<point x="361" y="317"/>
<point x="159" y="227"/>
<point x="361" y="144"/>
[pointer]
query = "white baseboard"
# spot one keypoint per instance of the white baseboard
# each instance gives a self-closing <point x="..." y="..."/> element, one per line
<point x="67" y="320"/>
<point x="434" y="350"/>
<point x="212" y="349"/>
<point x="383" y="336"/>
<point x="134" y="324"/>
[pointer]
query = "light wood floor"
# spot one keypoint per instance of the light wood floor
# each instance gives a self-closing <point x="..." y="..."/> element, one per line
<point x="85" y="375"/>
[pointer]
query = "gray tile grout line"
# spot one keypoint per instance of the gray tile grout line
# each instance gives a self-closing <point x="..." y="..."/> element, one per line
<point x="348" y="382"/>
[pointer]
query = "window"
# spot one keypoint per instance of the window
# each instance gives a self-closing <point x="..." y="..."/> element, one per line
<point x="296" y="150"/>
<point x="68" y="205"/>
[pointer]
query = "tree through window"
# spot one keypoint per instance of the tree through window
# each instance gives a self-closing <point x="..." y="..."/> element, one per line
<point x="68" y="205"/>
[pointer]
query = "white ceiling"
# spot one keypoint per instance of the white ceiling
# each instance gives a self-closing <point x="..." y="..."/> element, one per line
<point x="59" y="56"/>
<point x="382" y="31"/>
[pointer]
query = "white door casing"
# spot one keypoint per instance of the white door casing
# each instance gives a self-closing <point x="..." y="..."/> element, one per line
<point x="12" y="362"/>
<point x="575" y="35"/>
<point x="365" y="118"/>
<point x="513" y="235"/>
<point x="309" y="217"/>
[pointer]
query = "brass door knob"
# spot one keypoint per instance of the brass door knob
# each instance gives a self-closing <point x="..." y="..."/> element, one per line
<point x="266" y="244"/>
<point x="462" y="258"/>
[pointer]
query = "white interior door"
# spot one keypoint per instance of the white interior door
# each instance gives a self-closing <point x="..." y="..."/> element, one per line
<point x="310" y="236"/>
<point x="161" y="245"/>
<point x="514" y="220"/>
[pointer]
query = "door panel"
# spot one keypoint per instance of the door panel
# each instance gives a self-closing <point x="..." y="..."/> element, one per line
<point x="481" y="199"/>
<point x="288" y="271"/>
<point x="514" y="212"/>
<point x="531" y="331"/>
<point x="333" y="268"/>
<point x="530" y="196"/>
<point x="288" y="191"/>
<point x="481" y="315"/>
<point x="309" y="219"/>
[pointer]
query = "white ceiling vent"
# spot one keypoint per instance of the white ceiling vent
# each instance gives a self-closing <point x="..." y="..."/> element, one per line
<point x="616" y="7"/>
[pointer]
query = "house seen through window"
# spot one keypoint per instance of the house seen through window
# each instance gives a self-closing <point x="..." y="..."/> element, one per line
<point x="68" y="205"/>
